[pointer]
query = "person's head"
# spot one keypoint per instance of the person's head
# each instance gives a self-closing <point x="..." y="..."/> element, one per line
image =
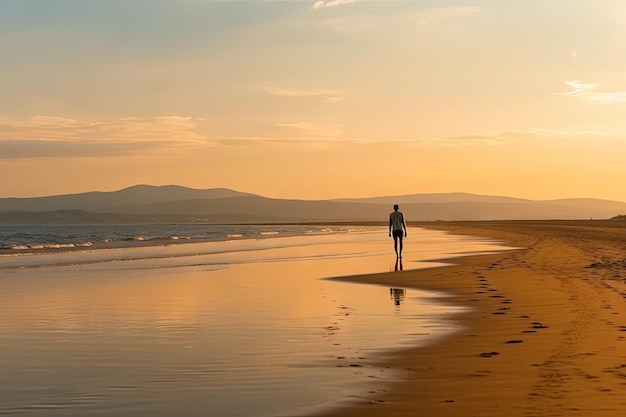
<point x="395" y="207"/>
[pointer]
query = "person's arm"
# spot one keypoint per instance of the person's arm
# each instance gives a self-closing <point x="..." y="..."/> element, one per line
<point x="390" y="224"/>
<point x="404" y="225"/>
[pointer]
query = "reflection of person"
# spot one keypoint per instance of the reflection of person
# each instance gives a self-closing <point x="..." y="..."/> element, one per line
<point x="397" y="294"/>
<point x="397" y="226"/>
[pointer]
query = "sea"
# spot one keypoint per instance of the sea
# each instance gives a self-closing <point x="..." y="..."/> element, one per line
<point x="209" y="320"/>
<point x="23" y="239"/>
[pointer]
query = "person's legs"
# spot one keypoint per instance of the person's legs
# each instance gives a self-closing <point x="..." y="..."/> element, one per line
<point x="397" y="246"/>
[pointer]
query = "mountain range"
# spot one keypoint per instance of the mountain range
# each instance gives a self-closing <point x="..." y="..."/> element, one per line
<point x="176" y="204"/>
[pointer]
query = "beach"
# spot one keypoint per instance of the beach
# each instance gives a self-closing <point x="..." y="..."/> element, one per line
<point x="508" y="318"/>
<point x="543" y="335"/>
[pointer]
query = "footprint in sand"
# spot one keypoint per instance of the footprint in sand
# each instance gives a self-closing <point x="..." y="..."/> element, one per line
<point x="481" y="373"/>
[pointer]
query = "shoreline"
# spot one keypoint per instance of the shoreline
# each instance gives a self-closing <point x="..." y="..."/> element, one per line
<point x="20" y="240"/>
<point x="544" y="334"/>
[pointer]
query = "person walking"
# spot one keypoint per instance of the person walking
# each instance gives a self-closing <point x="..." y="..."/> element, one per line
<point x="397" y="228"/>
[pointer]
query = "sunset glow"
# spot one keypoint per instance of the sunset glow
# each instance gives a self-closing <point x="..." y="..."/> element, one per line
<point x="315" y="99"/>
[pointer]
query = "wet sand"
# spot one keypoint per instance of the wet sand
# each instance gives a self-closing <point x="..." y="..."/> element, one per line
<point x="225" y="329"/>
<point x="545" y="336"/>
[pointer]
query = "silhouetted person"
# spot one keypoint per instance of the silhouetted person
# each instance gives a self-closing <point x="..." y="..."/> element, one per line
<point x="397" y="227"/>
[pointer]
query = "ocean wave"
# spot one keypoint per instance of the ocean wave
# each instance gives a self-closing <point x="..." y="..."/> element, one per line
<point x="325" y="230"/>
<point x="48" y="246"/>
<point x="56" y="239"/>
<point x="57" y="246"/>
<point x="15" y="247"/>
<point x="155" y="238"/>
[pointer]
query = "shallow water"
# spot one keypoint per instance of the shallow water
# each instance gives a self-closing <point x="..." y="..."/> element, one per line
<point x="220" y="328"/>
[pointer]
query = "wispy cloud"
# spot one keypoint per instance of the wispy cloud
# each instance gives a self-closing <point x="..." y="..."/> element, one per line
<point x="323" y="4"/>
<point x="512" y="136"/>
<point x="370" y="21"/>
<point x="318" y="130"/>
<point x="58" y="137"/>
<point x="46" y="137"/>
<point x="333" y="136"/>
<point x="442" y="14"/>
<point x="328" y="96"/>
<point x="592" y="93"/>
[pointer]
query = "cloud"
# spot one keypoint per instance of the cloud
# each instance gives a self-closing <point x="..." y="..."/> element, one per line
<point x="324" y="4"/>
<point x="441" y="14"/>
<point x="321" y="130"/>
<point x="331" y="96"/>
<point x="381" y="20"/>
<point x="332" y="136"/>
<point x="590" y="92"/>
<point x="53" y="137"/>
<point x="471" y="139"/>
<point x="58" y="137"/>
<point x="507" y="137"/>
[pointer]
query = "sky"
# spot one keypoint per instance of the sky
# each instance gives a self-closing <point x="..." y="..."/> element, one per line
<point x="315" y="99"/>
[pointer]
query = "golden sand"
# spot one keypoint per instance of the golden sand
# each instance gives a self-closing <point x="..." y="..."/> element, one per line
<point x="545" y="335"/>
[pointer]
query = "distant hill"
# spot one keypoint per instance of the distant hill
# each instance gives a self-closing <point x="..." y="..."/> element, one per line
<point x="103" y="201"/>
<point x="87" y="217"/>
<point x="175" y="204"/>
<point x="434" y="198"/>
